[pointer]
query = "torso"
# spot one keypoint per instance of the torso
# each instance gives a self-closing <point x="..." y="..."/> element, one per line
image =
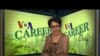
<point x="55" y="39"/>
<point x="55" y="44"/>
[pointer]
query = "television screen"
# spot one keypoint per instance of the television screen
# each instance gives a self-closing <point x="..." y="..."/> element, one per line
<point x="80" y="27"/>
<point x="25" y="32"/>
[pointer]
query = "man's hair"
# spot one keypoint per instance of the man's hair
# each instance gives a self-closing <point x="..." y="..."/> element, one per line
<point x="55" y="19"/>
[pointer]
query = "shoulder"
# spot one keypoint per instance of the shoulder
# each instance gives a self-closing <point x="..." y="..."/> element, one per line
<point x="48" y="37"/>
<point x="65" y="37"/>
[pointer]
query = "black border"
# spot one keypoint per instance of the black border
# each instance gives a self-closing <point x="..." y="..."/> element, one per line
<point x="0" y="32"/>
<point x="98" y="32"/>
<point x="95" y="30"/>
<point x="3" y="33"/>
<point x="1" y="36"/>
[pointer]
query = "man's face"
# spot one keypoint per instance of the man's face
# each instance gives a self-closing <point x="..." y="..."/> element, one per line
<point x="55" y="27"/>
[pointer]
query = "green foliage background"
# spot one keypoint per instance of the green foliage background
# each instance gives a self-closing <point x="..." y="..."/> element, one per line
<point x="34" y="44"/>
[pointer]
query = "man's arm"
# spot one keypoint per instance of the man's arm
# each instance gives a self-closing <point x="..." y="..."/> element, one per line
<point x="45" y="48"/>
<point x="66" y="45"/>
